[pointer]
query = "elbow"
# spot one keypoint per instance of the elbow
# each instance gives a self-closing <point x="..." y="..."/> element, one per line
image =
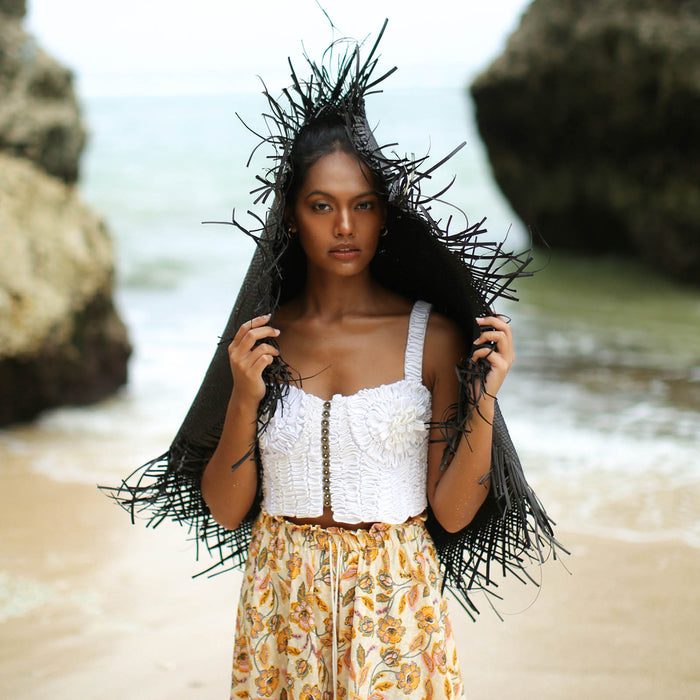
<point x="455" y="525"/>
<point x="226" y="521"/>
<point x="456" y="516"/>
<point x="222" y="513"/>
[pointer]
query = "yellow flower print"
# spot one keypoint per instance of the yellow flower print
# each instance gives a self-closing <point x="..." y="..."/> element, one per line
<point x="255" y="543"/>
<point x="440" y="655"/>
<point x="241" y="660"/>
<point x="303" y="667"/>
<point x="272" y="561"/>
<point x="384" y="579"/>
<point x="366" y="583"/>
<point x="370" y="554"/>
<point x="310" y="693"/>
<point x="267" y="682"/>
<point x="366" y="626"/>
<point x="391" y="656"/>
<point x="427" y="620"/>
<point x="282" y="640"/>
<point x="321" y="540"/>
<point x="277" y="547"/>
<point x="349" y="632"/>
<point x="273" y="624"/>
<point x="301" y="614"/>
<point x="254" y="620"/>
<point x="294" y="566"/>
<point x="408" y="678"/>
<point x="390" y="630"/>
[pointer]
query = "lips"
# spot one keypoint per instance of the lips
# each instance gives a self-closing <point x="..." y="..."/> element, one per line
<point x="344" y="252"/>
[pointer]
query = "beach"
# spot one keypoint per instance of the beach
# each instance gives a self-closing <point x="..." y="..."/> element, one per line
<point x="104" y="609"/>
<point x="602" y="405"/>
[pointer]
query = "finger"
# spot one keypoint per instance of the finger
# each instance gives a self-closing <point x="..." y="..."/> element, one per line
<point x="248" y="359"/>
<point x="486" y="353"/>
<point x="253" y="323"/>
<point x="248" y="340"/>
<point x="497" y="322"/>
<point x="263" y="349"/>
<point x="260" y="364"/>
<point x="491" y="337"/>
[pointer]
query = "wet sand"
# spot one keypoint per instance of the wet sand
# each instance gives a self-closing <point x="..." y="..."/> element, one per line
<point x="99" y="608"/>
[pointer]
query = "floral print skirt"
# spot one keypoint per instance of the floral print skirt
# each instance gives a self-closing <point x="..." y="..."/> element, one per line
<point x="328" y="613"/>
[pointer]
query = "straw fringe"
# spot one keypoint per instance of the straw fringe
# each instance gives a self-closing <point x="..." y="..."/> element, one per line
<point x="512" y="529"/>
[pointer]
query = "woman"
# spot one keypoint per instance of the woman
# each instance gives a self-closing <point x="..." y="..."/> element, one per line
<point x="351" y="338"/>
<point x="350" y="413"/>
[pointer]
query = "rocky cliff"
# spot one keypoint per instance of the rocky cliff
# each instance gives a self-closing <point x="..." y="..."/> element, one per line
<point x="39" y="116"/>
<point x="61" y="341"/>
<point x="591" y="118"/>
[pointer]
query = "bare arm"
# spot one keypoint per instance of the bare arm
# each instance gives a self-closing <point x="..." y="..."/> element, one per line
<point x="230" y="493"/>
<point x="455" y="494"/>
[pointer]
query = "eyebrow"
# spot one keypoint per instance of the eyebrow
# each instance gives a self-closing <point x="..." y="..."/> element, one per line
<point x="373" y="193"/>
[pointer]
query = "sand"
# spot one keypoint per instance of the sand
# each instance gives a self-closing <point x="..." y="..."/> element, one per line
<point x="101" y="609"/>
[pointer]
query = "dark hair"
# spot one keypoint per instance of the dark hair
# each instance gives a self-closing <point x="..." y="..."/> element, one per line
<point x="315" y="140"/>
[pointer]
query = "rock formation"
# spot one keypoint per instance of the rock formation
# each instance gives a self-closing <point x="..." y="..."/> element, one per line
<point x="39" y="116"/>
<point x="591" y="119"/>
<point x="61" y="341"/>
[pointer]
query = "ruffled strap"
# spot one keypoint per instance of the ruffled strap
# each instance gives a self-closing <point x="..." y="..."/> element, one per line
<point x="417" y="324"/>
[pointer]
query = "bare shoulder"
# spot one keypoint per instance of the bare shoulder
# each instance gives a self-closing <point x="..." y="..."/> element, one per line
<point x="444" y="347"/>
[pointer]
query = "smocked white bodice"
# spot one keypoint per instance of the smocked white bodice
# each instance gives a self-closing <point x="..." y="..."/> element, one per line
<point x="372" y="464"/>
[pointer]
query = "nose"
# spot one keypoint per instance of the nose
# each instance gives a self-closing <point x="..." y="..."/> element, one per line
<point x="344" y="224"/>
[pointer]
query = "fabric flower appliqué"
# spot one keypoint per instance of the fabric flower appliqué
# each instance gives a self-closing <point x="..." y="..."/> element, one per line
<point x="400" y="430"/>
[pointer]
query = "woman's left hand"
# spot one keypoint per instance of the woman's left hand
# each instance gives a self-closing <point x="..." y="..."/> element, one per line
<point x="500" y="356"/>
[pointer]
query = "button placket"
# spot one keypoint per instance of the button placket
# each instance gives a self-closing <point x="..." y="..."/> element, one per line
<point x="325" y="454"/>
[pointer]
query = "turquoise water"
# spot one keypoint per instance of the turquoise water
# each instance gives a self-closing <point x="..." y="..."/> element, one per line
<point x="603" y="402"/>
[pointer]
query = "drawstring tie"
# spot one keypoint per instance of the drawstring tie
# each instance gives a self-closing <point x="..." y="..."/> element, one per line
<point x="335" y="594"/>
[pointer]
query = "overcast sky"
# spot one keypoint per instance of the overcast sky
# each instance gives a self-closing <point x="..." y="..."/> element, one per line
<point x="143" y="46"/>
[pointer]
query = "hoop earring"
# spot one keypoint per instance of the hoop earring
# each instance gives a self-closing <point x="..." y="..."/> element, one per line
<point x="381" y="248"/>
<point x="291" y="230"/>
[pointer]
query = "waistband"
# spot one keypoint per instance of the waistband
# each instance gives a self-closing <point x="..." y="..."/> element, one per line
<point x="315" y="536"/>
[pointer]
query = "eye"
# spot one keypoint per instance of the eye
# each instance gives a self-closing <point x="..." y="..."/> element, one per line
<point x="363" y="206"/>
<point x="320" y="206"/>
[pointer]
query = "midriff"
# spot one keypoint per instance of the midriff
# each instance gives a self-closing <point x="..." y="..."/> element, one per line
<point x="326" y="520"/>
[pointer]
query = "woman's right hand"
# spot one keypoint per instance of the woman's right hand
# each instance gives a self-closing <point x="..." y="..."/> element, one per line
<point x="248" y="360"/>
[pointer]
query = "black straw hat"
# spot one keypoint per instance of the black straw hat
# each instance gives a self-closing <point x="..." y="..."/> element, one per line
<point x="459" y="272"/>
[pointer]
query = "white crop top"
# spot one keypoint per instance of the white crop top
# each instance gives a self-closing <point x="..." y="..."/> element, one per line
<point x="364" y="455"/>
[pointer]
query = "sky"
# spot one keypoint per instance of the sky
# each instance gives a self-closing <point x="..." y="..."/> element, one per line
<point x="162" y="46"/>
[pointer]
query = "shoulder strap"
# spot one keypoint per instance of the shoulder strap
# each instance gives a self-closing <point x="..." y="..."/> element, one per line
<point x="418" y="322"/>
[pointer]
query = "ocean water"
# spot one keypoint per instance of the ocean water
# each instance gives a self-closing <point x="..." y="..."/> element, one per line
<point x="603" y="401"/>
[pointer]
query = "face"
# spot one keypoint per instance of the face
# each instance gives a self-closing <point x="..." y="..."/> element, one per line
<point x="338" y="215"/>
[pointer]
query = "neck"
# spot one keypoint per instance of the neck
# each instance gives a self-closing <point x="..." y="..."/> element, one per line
<point x="331" y="297"/>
